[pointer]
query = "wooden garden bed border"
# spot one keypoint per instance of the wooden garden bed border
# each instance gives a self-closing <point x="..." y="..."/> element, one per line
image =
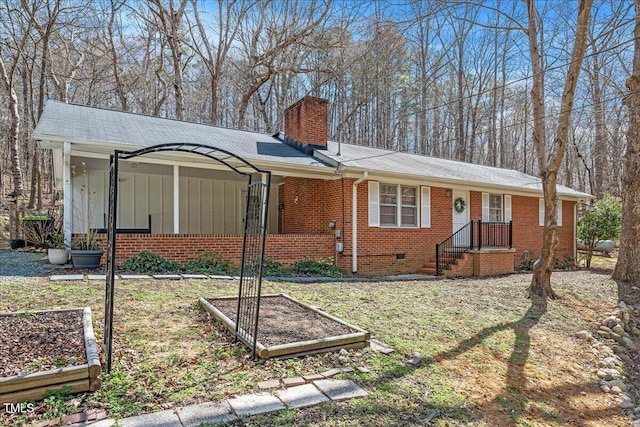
<point x="359" y="339"/>
<point x="85" y="377"/>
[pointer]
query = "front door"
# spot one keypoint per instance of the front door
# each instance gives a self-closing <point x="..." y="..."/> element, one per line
<point x="460" y="208"/>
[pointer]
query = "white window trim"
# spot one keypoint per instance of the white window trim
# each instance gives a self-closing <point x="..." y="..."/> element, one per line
<point x="374" y="205"/>
<point x="505" y="208"/>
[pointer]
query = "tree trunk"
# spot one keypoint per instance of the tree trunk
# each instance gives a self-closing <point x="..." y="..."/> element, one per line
<point x="628" y="267"/>
<point x="549" y="164"/>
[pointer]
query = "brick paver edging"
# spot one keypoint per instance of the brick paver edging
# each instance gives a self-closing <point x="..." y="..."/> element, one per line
<point x="299" y="396"/>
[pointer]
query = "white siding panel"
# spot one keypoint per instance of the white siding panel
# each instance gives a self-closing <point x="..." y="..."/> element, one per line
<point x="231" y="210"/>
<point x="193" y="200"/>
<point x="126" y="198"/>
<point x="141" y="200"/>
<point x="167" y="205"/>
<point x="206" y="205"/>
<point x="218" y="207"/>
<point x="156" y="197"/>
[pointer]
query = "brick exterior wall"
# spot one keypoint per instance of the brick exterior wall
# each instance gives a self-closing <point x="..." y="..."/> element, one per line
<point x="309" y="205"/>
<point x="284" y="248"/>
<point x="306" y="121"/>
<point x="527" y="234"/>
<point x="492" y="263"/>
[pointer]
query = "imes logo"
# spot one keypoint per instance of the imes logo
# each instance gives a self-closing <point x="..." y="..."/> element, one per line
<point x="19" y="408"/>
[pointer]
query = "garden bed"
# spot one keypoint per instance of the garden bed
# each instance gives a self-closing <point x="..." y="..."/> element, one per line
<point x="47" y="350"/>
<point x="289" y="328"/>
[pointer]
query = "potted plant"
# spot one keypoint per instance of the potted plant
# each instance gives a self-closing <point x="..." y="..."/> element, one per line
<point x="85" y="251"/>
<point x="57" y="252"/>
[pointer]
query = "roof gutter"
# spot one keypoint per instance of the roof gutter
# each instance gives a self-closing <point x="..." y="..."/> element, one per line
<point x="354" y="223"/>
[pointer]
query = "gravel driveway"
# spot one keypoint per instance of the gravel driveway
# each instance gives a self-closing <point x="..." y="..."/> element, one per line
<point x="14" y="263"/>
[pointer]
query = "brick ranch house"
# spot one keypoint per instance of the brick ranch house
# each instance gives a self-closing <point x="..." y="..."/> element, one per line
<point x="375" y="211"/>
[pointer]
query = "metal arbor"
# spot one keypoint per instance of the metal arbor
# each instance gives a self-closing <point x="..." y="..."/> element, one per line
<point x="255" y="227"/>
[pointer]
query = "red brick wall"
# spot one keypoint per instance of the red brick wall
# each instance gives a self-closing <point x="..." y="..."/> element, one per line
<point x="284" y="248"/>
<point x="378" y="247"/>
<point x="492" y="263"/>
<point x="306" y="121"/>
<point x="310" y="204"/>
<point x="527" y="234"/>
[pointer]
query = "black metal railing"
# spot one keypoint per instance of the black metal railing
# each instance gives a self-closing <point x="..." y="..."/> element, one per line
<point x="452" y="248"/>
<point x="474" y="235"/>
<point x="495" y="234"/>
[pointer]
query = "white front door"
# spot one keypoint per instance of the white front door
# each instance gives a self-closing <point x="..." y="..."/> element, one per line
<point x="460" y="214"/>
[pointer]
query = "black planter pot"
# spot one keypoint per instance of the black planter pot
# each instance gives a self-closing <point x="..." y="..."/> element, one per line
<point x="86" y="259"/>
<point x="17" y="243"/>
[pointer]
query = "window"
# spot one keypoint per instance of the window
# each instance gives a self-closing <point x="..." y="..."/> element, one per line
<point x="541" y="212"/>
<point x="496" y="207"/>
<point x="409" y="206"/>
<point x="388" y="204"/>
<point x="393" y="205"/>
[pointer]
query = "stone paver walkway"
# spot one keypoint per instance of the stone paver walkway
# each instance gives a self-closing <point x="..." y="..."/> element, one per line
<point x="299" y="396"/>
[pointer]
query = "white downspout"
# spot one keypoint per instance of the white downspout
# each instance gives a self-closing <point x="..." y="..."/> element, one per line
<point x="354" y="223"/>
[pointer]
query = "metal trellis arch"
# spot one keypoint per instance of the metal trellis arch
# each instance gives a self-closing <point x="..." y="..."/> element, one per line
<point x="255" y="223"/>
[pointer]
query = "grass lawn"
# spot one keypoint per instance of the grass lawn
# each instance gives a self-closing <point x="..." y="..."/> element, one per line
<point x="491" y="357"/>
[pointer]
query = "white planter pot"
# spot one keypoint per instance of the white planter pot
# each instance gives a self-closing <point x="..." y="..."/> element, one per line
<point x="58" y="256"/>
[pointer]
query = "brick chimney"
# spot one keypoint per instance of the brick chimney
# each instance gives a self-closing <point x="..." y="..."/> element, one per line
<point x="306" y="123"/>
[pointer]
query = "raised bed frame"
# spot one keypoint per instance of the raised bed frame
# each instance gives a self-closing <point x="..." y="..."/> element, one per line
<point x="359" y="339"/>
<point x="85" y="377"/>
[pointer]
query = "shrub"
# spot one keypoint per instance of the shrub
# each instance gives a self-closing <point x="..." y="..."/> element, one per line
<point x="209" y="263"/>
<point x="147" y="262"/>
<point x="600" y="222"/>
<point x="526" y="261"/>
<point x="318" y="267"/>
<point x="272" y="267"/>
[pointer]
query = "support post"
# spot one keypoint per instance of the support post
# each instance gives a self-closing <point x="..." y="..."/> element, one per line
<point x="479" y="234"/>
<point x="176" y="199"/>
<point x="111" y="258"/>
<point x="67" y="219"/>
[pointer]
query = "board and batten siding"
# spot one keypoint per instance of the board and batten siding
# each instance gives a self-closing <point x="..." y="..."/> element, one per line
<point x="207" y="205"/>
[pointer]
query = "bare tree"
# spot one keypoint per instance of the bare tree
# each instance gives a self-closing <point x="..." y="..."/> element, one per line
<point x="628" y="268"/>
<point x="550" y="155"/>
<point x="170" y="20"/>
<point x="13" y="49"/>
<point x="269" y="32"/>
<point x="230" y="14"/>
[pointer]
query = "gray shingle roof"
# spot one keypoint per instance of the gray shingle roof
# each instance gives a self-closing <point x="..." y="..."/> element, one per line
<point x="100" y="127"/>
<point x="435" y="169"/>
<point x="89" y="125"/>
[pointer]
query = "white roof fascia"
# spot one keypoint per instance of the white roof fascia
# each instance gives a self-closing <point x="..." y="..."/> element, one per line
<point x="411" y="179"/>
